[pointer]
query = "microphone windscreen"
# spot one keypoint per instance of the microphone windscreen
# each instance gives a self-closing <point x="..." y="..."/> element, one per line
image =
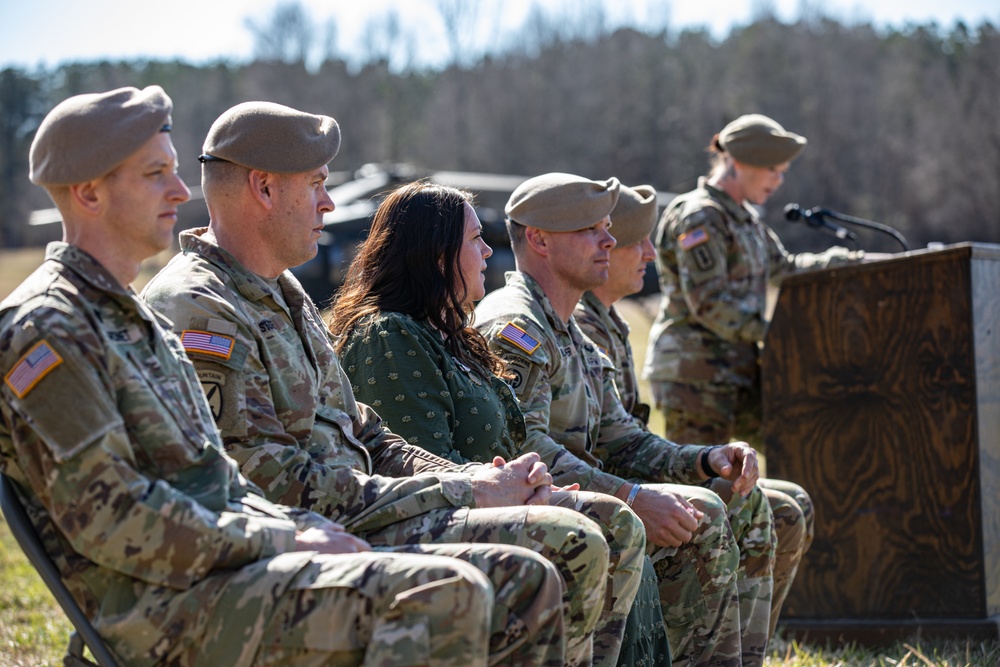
<point x="793" y="212"/>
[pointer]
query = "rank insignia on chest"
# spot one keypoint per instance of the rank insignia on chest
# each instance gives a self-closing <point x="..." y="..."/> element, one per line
<point x="207" y="342"/>
<point x="38" y="362"/>
<point x="518" y="337"/>
<point x="693" y="238"/>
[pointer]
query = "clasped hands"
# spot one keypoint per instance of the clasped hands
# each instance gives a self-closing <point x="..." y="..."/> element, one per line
<point x="521" y="481"/>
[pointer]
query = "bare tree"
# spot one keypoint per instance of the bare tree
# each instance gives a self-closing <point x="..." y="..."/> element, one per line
<point x="459" y="18"/>
<point x="286" y="37"/>
<point x="384" y="40"/>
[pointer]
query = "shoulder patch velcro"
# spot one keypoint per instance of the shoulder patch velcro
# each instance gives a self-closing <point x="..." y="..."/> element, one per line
<point x="206" y="342"/>
<point x="692" y="238"/>
<point x="519" y="337"/>
<point x="36" y="363"/>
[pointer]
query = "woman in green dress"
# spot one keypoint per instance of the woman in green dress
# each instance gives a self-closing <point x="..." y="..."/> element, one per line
<point x="402" y="322"/>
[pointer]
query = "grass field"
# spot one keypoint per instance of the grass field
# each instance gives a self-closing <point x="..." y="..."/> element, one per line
<point x="33" y="630"/>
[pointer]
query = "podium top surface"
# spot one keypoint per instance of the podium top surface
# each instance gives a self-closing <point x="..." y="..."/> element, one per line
<point x="957" y="251"/>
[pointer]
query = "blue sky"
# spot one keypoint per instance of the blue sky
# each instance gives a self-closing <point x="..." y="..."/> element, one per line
<point x="50" y="32"/>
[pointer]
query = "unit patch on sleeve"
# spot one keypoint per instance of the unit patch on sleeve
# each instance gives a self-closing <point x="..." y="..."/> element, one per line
<point x="519" y="337"/>
<point x="213" y="384"/>
<point x="36" y="363"/>
<point x="522" y="373"/>
<point x="207" y="342"/>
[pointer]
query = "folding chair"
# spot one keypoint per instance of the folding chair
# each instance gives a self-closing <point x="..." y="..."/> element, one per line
<point x="24" y="532"/>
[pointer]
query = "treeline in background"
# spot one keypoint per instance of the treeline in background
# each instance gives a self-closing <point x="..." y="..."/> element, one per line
<point x="903" y="123"/>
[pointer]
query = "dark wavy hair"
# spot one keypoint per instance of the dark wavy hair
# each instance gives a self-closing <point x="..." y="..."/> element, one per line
<point x="410" y="264"/>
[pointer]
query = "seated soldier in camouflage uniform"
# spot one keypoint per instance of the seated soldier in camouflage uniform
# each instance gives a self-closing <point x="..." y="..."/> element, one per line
<point x="714" y="569"/>
<point x="108" y="438"/>
<point x="633" y="219"/>
<point x="278" y="393"/>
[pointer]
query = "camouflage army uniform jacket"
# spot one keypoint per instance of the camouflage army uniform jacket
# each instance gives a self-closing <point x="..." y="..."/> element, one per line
<point x="401" y="367"/>
<point x="106" y="432"/>
<point x="715" y="259"/>
<point x="609" y="331"/>
<point x="280" y="397"/>
<point x="574" y="417"/>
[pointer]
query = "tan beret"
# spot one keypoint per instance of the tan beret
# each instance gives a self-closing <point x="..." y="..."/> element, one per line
<point x="272" y="137"/>
<point x="759" y="141"/>
<point x="87" y="136"/>
<point x="635" y="214"/>
<point x="559" y="202"/>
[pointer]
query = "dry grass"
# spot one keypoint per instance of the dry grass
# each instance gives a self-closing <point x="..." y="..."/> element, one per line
<point x="33" y="629"/>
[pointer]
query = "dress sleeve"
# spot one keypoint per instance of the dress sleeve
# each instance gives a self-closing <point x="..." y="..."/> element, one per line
<point x="398" y="372"/>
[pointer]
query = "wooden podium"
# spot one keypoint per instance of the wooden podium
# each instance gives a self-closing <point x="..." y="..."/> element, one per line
<point x="881" y="396"/>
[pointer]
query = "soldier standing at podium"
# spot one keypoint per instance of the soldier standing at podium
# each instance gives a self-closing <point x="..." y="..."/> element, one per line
<point x="715" y="259"/>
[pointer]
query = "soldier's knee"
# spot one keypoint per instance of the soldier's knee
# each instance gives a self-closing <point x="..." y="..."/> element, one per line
<point x="706" y="500"/>
<point x="789" y="521"/>
<point x="469" y="588"/>
<point x="562" y="530"/>
<point x="627" y="531"/>
<point x="805" y="503"/>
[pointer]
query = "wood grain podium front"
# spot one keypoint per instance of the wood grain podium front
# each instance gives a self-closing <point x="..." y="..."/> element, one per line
<point x="881" y="396"/>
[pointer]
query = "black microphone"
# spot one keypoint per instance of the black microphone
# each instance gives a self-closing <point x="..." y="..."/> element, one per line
<point x="814" y="218"/>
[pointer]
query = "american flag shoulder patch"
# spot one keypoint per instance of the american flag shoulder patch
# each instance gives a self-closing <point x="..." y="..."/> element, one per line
<point x="29" y="370"/>
<point x="519" y="337"/>
<point x="693" y="238"/>
<point x="207" y="342"/>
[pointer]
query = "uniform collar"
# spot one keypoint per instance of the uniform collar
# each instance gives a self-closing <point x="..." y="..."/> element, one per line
<point x="607" y="315"/>
<point x="202" y="242"/>
<point x="92" y="272"/>
<point x="536" y="291"/>
<point x="734" y="208"/>
<point x="87" y="267"/>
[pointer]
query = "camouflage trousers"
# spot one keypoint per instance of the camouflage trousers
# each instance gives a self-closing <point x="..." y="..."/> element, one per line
<point x="575" y="545"/>
<point x="626" y="539"/>
<point x="710" y="415"/>
<point x="422" y="605"/>
<point x="716" y="589"/>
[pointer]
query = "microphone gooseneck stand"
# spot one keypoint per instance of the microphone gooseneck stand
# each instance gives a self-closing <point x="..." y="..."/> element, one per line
<point x="817" y="217"/>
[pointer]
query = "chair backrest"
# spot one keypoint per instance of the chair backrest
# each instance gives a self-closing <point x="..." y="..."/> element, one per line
<point x="27" y="538"/>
